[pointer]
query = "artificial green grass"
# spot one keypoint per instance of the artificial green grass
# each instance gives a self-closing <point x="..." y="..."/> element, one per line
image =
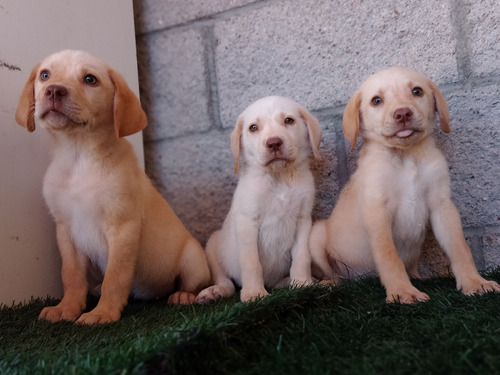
<point x="347" y="329"/>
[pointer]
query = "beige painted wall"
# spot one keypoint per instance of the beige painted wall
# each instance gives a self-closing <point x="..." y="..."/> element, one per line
<point x="29" y="31"/>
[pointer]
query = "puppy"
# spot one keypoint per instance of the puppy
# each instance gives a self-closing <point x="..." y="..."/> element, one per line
<point x="263" y="241"/>
<point x="107" y="212"/>
<point x="401" y="183"/>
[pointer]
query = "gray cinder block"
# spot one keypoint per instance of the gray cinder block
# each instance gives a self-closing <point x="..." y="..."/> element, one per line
<point x="195" y="175"/>
<point x="319" y="53"/>
<point x="174" y="86"/>
<point x="151" y="15"/>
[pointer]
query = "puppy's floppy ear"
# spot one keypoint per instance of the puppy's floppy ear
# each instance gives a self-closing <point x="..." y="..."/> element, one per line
<point x="314" y="131"/>
<point x="236" y="143"/>
<point x="441" y="108"/>
<point x="128" y="116"/>
<point x="350" y="121"/>
<point x="25" y="112"/>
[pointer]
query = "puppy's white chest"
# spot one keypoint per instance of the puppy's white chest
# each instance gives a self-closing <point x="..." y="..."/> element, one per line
<point x="410" y="206"/>
<point x="281" y="210"/>
<point x="73" y="198"/>
<point x="278" y="222"/>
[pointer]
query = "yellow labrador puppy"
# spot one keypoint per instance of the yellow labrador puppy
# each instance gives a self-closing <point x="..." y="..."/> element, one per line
<point x="263" y="241"/>
<point x="106" y="210"/>
<point x="401" y="183"/>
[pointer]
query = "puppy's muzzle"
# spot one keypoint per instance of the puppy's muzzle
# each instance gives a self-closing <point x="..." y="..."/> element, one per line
<point x="55" y="98"/>
<point x="57" y="107"/>
<point x="403" y="119"/>
<point x="277" y="155"/>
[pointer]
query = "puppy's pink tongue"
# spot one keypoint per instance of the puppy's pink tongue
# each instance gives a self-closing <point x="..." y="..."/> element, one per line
<point x="405" y="133"/>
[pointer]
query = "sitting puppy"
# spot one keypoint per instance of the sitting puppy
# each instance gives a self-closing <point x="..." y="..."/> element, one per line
<point x="106" y="210"/>
<point x="264" y="236"/>
<point x="401" y="183"/>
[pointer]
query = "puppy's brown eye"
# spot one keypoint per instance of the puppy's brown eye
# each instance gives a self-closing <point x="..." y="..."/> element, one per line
<point x="44" y="75"/>
<point x="417" y="91"/>
<point x="377" y="100"/>
<point x="253" y="128"/>
<point x="90" y="79"/>
<point x="289" y="121"/>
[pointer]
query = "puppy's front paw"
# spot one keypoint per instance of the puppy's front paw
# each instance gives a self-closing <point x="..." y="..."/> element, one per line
<point x="329" y="282"/>
<point x="252" y="295"/>
<point x="181" y="298"/>
<point x="479" y="285"/>
<point x="58" y="313"/>
<point x="408" y="295"/>
<point x="297" y="283"/>
<point x="99" y="316"/>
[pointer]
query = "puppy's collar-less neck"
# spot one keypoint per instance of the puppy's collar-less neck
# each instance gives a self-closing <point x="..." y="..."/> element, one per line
<point x="81" y="140"/>
<point x="416" y="151"/>
<point x="292" y="171"/>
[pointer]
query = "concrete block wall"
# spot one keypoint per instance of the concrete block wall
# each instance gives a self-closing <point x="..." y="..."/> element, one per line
<point x="202" y="62"/>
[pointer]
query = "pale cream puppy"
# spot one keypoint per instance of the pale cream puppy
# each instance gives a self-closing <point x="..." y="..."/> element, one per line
<point x="107" y="213"/>
<point x="263" y="241"/>
<point x="401" y="183"/>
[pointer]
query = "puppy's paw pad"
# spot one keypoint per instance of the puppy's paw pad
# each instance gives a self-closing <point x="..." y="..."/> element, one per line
<point x="181" y="298"/>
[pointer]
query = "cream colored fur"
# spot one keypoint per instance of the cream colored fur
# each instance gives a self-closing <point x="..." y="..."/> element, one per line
<point x="401" y="183"/>
<point x="107" y="213"/>
<point x="263" y="241"/>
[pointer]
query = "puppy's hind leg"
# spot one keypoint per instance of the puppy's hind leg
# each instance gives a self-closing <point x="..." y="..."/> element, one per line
<point x="413" y="262"/>
<point x="223" y="286"/>
<point x="194" y="274"/>
<point x="318" y="243"/>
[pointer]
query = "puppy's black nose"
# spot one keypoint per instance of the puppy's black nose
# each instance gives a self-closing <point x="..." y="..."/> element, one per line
<point x="55" y="92"/>
<point x="402" y="114"/>
<point x="274" y="143"/>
